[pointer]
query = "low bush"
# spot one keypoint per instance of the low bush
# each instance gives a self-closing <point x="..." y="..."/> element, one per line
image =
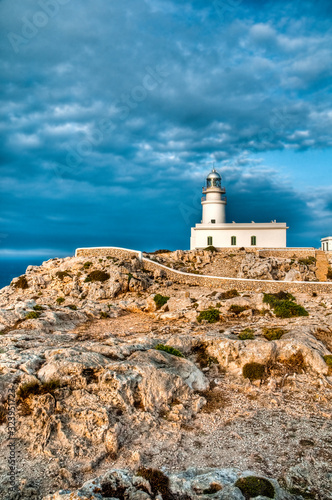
<point x="203" y="358"/>
<point x="329" y="274"/>
<point x="273" y="333"/>
<point x="211" y="315"/>
<point x="60" y="300"/>
<point x="86" y="265"/>
<point x="161" y="251"/>
<point x="230" y="294"/>
<point x="328" y="359"/>
<point x="211" y="248"/>
<point x="97" y="276"/>
<point x="62" y="274"/>
<point x="169" y="349"/>
<point x="253" y="371"/>
<point x="160" y="300"/>
<point x="237" y="309"/>
<point x="22" y="282"/>
<point x="103" y="315"/>
<point x="32" y="315"/>
<point x="158" y="481"/>
<point x="72" y="307"/>
<point x="246" y="334"/>
<point x="215" y="400"/>
<point x="308" y="261"/>
<point x="37" y="307"/>
<point x="284" y="305"/>
<point x="3" y="415"/>
<point x="252" y="486"/>
<point x="36" y="388"/>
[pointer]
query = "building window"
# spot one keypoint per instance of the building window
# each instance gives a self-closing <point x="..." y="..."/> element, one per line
<point x="253" y="240"/>
<point x="209" y="241"/>
<point x="213" y="221"/>
<point x="233" y="240"/>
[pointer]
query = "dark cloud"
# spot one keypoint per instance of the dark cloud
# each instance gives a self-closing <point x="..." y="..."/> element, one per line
<point x="110" y="113"/>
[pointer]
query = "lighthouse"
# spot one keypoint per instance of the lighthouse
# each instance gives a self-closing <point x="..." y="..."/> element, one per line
<point x="214" y="202"/>
<point x="214" y="230"/>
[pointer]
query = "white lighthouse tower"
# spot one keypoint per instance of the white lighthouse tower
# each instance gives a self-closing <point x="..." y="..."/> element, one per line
<point x="214" y="202"/>
<point x="214" y="230"/>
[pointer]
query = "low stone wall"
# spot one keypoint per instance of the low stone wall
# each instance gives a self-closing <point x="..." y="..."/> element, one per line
<point x="116" y="252"/>
<point x="288" y="253"/>
<point x="242" y="285"/>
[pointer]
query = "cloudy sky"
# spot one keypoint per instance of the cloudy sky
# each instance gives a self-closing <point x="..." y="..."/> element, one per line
<point x="112" y="112"/>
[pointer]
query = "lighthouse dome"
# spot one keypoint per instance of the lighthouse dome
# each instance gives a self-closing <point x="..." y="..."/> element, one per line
<point x="213" y="179"/>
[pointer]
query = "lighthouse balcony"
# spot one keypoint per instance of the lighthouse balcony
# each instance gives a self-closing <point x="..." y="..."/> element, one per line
<point x="221" y="189"/>
<point x="223" y="198"/>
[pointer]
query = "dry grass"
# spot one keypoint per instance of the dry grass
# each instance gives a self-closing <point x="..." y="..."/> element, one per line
<point x="215" y="399"/>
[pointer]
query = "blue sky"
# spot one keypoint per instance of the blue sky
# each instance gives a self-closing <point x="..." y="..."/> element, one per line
<point x="111" y="113"/>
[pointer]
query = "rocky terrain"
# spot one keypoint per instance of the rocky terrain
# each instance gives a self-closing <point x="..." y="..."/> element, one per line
<point x="241" y="264"/>
<point x="130" y="386"/>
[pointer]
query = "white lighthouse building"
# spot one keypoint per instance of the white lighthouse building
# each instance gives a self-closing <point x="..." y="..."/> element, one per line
<point x="213" y="229"/>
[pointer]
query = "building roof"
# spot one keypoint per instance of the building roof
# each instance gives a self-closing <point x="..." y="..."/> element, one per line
<point x="214" y="174"/>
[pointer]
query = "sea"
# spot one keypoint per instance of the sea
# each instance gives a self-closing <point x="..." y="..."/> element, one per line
<point x="11" y="268"/>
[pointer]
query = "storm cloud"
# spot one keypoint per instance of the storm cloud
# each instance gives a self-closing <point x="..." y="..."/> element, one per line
<point x="111" y="113"/>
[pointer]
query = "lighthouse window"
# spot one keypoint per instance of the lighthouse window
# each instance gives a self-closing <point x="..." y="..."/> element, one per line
<point x="209" y="240"/>
<point x="233" y="240"/>
<point x="213" y="221"/>
<point x="253" y="240"/>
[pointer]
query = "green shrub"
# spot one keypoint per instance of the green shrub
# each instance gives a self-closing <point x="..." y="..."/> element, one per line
<point x="238" y="309"/>
<point x="230" y="294"/>
<point x="328" y="359"/>
<point x="169" y="349"/>
<point x="211" y="248"/>
<point x="97" y="276"/>
<point x="253" y="371"/>
<point x="103" y="315"/>
<point x="72" y="307"/>
<point x="308" y="261"/>
<point x="160" y="300"/>
<point x="284" y="305"/>
<point x="246" y="334"/>
<point x="158" y="481"/>
<point x="32" y="315"/>
<point x="288" y="309"/>
<point x="22" y="282"/>
<point x="273" y="298"/>
<point x="60" y="300"/>
<point x="87" y="264"/>
<point x="252" y="486"/>
<point x="62" y="274"/>
<point x="273" y="333"/>
<point x="37" y="307"/>
<point x="211" y="315"/>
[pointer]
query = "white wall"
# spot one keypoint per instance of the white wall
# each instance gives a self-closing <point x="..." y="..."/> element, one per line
<point x="214" y="210"/>
<point x="326" y="244"/>
<point x="267" y="237"/>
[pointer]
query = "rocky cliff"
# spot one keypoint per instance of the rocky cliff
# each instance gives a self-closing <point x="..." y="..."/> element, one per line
<point x="118" y="371"/>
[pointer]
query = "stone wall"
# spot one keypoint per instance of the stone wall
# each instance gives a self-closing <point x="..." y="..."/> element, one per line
<point x="287" y="253"/>
<point x="209" y="281"/>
